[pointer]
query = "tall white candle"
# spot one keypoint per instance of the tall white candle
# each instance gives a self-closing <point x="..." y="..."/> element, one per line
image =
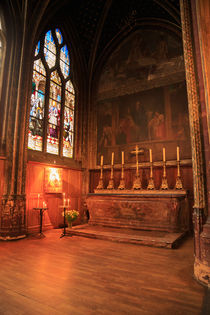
<point x="150" y="155"/>
<point x="112" y="158"/>
<point x="122" y="157"/>
<point x="102" y="160"/>
<point x="164" y="154"/>
<point x="177" y="152"/>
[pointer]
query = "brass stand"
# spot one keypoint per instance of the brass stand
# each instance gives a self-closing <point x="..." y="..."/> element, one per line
<point x="137" y="181"/>
<point x="101" y="184"/>
<point x="178" y="184"/>
<point x="122" y="180"/>
<point x="164" y="184"/>
<point x="151" y="184"/>
<point x="111" y="181"/>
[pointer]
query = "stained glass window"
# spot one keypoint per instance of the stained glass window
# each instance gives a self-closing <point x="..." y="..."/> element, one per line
<point x="51" y="118"/>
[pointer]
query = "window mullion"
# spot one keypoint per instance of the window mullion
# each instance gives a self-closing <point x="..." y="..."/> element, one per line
<point x="46" y="111"/>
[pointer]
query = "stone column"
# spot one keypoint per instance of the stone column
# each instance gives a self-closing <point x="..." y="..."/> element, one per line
<point x="201" y="266"/>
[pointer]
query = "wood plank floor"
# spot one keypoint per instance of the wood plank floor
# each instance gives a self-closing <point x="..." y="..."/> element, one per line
<point x="75" y="275"/>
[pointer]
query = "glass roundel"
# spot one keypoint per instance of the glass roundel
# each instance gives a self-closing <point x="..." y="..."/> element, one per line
<point x="51" y="118"/>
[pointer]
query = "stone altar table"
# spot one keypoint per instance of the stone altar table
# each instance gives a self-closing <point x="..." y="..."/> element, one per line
<point x="142" y="209"/>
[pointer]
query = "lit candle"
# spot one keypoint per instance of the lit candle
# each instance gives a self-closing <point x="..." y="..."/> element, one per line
<point x="164" y="154"/>
<point x="150" y="155"/>
<point x="112" y="158"/>
<point x="122" y="157"/>
<point x="43" y="204"/>
<point x="38" y="200"/>
<point x="102" y="160"/>
<point x="177" y="152"/>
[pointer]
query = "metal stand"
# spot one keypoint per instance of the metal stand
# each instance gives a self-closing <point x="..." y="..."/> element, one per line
<point x="64" y="221"/>
<point x="41" y="210"/>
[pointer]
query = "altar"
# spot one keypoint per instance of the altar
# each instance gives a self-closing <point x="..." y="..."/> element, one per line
<point x="142" y="209"/>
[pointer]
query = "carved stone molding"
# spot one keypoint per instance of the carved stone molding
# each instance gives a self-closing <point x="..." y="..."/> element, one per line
<point x="193" y="104"/>
<point x="12" y="217"/>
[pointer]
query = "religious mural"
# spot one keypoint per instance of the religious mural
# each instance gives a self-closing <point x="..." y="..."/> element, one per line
<point x="142" y="98"/>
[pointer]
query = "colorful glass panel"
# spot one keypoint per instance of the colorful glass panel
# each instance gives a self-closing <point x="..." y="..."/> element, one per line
<point x="69" y="99"/>
<point x="37" y="48"/>
<point x="59" y="35"/>
<point x="39" y="67"/>
<point x="49" y="49"/>
<point x="64" y="61"/>
<point x="35" y="134"/>
<point x="68" y="132"/>
<point x="53" y="127"/>
<point x="55" y="77"/>
<point x="55" y="91"/>
<point x="69" y="87"/>
<point x="68" y="145"/>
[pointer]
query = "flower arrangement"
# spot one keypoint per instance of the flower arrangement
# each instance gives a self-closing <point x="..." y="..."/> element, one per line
<point x="71" y="215"/>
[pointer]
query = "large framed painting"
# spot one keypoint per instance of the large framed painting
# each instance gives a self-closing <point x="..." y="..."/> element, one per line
<point x="142" y="99"/>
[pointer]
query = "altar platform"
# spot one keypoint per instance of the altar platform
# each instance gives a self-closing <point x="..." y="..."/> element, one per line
<point x="141" y="237"/>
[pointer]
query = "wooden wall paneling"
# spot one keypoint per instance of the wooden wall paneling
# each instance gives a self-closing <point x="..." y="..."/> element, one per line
<point x="2" y="165"/>
<point x="35" y="185"/>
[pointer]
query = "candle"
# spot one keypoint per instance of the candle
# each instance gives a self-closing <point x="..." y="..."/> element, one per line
<point x="102" y="160"/>
<point x="122" y="157"/>
<point x="68" y="202"/>
<point x="64" y="202"/>
<point x="112" y="158"/>
<point x="38" y="200"/>
<point x="164" y="154"/>
<point x="150" y="155"/>
<point x="177" y="152"/>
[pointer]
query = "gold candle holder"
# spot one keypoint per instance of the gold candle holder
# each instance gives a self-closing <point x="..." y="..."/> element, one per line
<point x="151" y="184"/>
<point x="101" y="184"/>
<point x="122" y="180"/>
<point x="111" y="181"/>
<point x="164" y="184"/>
<point x="178" y="184"/>
<point x="137" y="180"/>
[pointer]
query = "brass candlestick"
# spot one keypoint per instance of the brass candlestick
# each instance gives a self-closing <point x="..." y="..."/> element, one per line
<point x="178" y="184"/>
<point x="151" y="184"/>
<point x="137" y="181"/>
<point x="122" y="180"/>
<point x="101" y="184"/>
<point x="111" y="181"/>
<point x="164" y="184"/>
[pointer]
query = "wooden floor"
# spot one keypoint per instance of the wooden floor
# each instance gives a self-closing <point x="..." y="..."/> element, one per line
<point x="75" y="275"/>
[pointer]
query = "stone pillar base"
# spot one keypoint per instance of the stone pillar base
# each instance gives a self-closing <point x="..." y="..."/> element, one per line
<point x="202" y="272"/>
<point x="12" y="217"/>
<point x="202" y="263"/>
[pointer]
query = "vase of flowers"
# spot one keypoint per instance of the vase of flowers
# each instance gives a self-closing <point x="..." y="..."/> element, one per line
<point x="70" y="216"/>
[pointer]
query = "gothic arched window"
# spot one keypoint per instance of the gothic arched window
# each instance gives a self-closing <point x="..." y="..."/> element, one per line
<point x="51" y="121"/>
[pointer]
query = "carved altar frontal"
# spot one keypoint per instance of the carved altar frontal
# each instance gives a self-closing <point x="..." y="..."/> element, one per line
<point x="146" y="210"/>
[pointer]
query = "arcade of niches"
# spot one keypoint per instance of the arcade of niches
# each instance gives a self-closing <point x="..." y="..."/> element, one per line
<point x="106" y="110"/>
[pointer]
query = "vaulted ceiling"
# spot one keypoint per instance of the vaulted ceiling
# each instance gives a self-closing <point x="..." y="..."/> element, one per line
<point x="97" y="23"/>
